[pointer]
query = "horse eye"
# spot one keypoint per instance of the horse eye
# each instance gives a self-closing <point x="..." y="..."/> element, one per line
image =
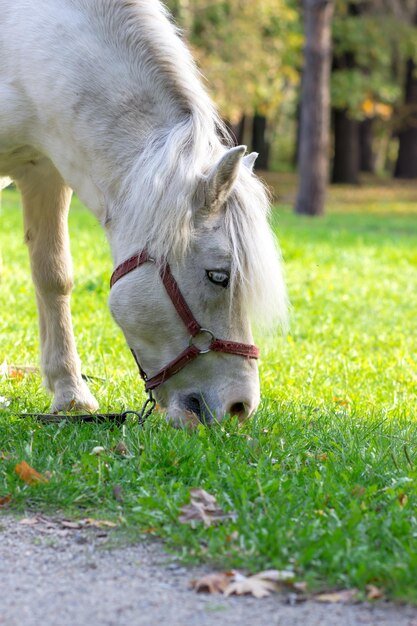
<point x="218" y="277"/>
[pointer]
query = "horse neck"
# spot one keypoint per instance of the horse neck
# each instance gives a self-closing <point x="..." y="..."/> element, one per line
<point x="117" y="100"/>
<point x="99" y="148"/>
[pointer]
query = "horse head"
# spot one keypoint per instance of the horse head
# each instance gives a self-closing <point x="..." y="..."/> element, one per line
<point x="187" y="317"/>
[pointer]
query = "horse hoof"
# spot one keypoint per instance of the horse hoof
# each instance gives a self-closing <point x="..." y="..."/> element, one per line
<point x="74" y="399"/>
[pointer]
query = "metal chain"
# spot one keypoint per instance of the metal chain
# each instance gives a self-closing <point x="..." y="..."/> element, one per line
<point x="146" y="411"/>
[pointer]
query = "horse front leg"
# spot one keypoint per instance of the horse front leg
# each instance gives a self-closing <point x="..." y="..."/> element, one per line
<point x="46" y="201"/>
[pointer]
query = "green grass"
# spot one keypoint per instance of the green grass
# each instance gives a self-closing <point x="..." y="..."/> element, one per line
<point x="323" y="479"/>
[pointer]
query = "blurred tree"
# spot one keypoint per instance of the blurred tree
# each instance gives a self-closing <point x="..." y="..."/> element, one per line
<point x="372" y="39"/>
<point x="250" y="53"/>
<point x="406" y="166"/>
<point x="315" y="108"/>
<point x="346" y="153"/>
<point x="366" y="150"/>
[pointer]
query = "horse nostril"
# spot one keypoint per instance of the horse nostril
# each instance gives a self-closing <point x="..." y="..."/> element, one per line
<point x="197" y="405"/>
<point x="193" y="404"/>
<point x="239" y="409"/>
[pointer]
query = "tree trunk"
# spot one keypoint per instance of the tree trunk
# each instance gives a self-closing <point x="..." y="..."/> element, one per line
<point x="346" y="148"/>
<point x="260" y="142"/>
<point x="366" y="156"/>
<point x="346" y="151"/>
<point x="296" y="153"/>
<point x="315" y="108"/>
<point x="237" y="130"/>
<point x="406" y="166"/>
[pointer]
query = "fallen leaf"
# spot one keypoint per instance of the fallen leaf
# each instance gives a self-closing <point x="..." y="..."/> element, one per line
<point x="29" y="521"/>
<point x="5" y="501"/>
<point x="346" y="595"/>
<point x="28" y="474"/>
<point x="251" y="586"/>
<point x="18" y="372"/>
<point x="98" y="523"/>
<point x="121" y="448"/>
<point x="71" y="525"/>
<point x="260" y="585"/>
<point x="203" y="508"/>
<point x="235" y="583"/>
<point x="341" y="401"/>
<point x="373" y="592"/>
<point x="276" y="575"/>
<point x="213" y="583"/>
<point x="402" y="499"/>
<point x="4" y="456"/>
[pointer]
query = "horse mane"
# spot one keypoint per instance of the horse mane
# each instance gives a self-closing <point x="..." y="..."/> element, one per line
<point x="160" y="186"/>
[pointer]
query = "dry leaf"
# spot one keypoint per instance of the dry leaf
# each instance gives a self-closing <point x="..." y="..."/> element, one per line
<point x="234" y="583"/>
<point x="259" y="585"/>
<point x="213" y="583"/>
<point x="19" y="372"/>
<point x="341" y="401"/>
<point x="4" y="456"/>
<point x="373" y="592"/>
<point x="346" y="595"/>
<point x="279" y="576"/>
<point x="253" y="586"/>
<point x="121" y="448"/>
<point x="202" y="508"/>
<point x="63" y="526"/>
<point x="70" y="525"/>
<point x="402" y="499"/>
<point x="28" y="474"/>
<point x="98" y="523"/>
<point x="5" y="501"/>
<point x="29" y="521"/>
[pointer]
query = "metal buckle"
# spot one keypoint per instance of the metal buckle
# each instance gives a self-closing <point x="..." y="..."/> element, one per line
<point x="202" y="331"/>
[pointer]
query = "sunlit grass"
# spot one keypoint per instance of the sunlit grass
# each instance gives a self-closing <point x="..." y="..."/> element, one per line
<point x="323" y="479"/>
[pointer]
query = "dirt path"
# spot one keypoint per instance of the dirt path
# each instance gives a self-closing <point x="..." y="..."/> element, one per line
<point x="51" y="576"/>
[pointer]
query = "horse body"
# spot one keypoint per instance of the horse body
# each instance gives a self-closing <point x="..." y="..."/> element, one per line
<point x="102" y="97"/>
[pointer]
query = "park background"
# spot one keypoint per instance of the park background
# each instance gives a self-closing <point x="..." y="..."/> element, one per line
<point x="252" y="54"/>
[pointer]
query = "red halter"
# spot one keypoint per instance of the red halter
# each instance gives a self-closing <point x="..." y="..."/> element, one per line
<point x="193" y="350"/>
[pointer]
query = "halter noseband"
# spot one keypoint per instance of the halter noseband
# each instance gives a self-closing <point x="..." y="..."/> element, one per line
<point x="212" y="344"/>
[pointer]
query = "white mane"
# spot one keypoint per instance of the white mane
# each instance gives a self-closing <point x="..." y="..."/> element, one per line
<point x="160" y="186"/>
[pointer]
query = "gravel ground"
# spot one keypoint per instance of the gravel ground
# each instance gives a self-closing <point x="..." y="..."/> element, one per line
<point x="56" y="576"/>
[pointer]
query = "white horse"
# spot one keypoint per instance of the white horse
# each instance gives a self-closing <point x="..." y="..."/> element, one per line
<point x="102" y="97"/>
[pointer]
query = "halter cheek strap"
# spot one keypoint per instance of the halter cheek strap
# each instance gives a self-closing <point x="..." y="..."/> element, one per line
<point x="201" y="340"/>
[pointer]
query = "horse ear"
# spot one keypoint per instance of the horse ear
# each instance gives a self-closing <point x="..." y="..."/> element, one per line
<point x="249" y="160"/>
<point x="220" y="180"/>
